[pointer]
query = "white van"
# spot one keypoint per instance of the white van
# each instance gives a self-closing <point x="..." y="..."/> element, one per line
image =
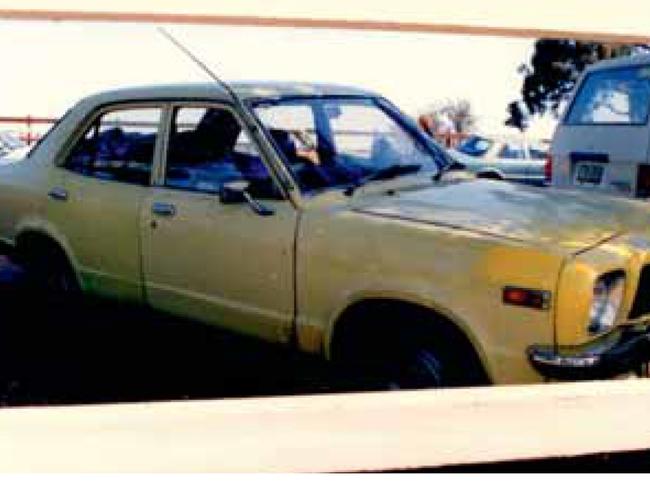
<point x="602" y="142"/>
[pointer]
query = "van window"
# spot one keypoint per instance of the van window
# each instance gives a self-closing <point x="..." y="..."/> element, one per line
<point x="613" y="97"/>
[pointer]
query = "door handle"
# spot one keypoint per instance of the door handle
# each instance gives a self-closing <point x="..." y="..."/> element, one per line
<point x="163" y="209"/>
<point x="60" y="194"/>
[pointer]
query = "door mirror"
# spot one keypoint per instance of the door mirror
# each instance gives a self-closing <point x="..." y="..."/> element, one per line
<point x="233" y="192"/>
<point x="237" y="192"/>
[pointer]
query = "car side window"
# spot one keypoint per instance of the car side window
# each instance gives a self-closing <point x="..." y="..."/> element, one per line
<point x="512" y="151"/>
<point x="208" y="147"/>
<point x="118" y="146"/>
<point x="538" y="152"/>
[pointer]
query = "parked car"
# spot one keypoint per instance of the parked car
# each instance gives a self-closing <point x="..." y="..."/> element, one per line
<point x="8" y="143"/>
<point x="602" y="142"/>
<point x="498" y="158"/>
<point x="322" y="218"/>
<point x="14" y="155"/>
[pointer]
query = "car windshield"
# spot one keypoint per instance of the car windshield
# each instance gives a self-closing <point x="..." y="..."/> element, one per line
<point x="342" y="142"/>
<point x="475" y="146"/>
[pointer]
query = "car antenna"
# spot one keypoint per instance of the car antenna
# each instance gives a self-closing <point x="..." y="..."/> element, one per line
<point x="248" y="118"/>
<point x="205" y="68"/>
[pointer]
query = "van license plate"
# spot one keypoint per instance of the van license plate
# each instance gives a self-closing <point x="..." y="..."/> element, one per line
<point x="589" y="174"/>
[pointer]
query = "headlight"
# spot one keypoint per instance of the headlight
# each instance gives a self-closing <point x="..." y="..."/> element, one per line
<point x="608" y="296"/>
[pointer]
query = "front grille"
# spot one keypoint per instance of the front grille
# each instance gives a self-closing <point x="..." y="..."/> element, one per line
<point x="641" y="304"/>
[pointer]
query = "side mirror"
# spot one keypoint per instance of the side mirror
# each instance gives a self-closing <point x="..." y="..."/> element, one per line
<point x="237" y="192"/>
<point x="233" y="192"/>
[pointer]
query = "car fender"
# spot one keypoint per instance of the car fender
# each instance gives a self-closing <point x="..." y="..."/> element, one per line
<point x="406" y="297"/>
<point x="38" y="225"/>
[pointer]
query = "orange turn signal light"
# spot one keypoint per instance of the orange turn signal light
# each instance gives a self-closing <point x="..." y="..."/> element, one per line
<point x="524" y="297"/>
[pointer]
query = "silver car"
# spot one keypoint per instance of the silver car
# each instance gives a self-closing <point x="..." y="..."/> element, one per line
<point x="8" y="144"/>
<point x="514" y="160"/>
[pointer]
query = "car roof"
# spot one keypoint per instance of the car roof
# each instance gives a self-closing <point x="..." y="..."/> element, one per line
<point x="621" y="62"/>
<point x="213" y="91"/>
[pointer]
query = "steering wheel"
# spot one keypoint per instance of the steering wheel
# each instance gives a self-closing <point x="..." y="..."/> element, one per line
<point x="309" y="174"/>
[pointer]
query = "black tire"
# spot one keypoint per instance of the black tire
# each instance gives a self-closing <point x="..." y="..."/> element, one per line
<point x="405" y="349"/>
<point x="418" y="370"/>
<point x="49" y="276"/>
<point x="490" y="176"/>
<point x="415" y="369"/>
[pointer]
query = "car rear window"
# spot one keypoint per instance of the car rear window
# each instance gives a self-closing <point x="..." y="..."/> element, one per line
<point x="618" y="96"/>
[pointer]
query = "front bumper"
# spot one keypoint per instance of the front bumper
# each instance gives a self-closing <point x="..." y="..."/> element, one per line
<point x="625" y="349"/>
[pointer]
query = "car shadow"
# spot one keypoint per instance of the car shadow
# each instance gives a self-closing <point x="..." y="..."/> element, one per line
<point x="107" y="352"/>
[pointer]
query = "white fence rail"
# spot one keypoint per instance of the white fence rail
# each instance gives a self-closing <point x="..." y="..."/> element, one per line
<point x="552" y="18"/>
<point x="351" y="432"/>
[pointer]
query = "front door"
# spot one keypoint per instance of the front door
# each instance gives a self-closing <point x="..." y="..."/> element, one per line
<point x="219" y="263"/>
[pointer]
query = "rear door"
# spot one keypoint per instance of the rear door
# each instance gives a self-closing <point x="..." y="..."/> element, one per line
<point x="602" y="142"/>
<point x="96" y="198"/>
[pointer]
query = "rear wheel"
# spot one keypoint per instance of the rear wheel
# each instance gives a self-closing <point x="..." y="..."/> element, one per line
<point x="49" y="275"/>
<point x="490" y="175"/>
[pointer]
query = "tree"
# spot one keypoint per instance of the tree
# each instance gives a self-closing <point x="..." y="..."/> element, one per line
<point x="553" y="71"/>
<point x="459" y="112"/>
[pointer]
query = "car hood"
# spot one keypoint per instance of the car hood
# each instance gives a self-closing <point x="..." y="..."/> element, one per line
<point x="573" y="220"/>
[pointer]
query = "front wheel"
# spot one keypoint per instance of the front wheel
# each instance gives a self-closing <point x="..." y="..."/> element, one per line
<point x="419" y="369"/>
<point x="395" y="365"/>
<point x="397" y="348"/>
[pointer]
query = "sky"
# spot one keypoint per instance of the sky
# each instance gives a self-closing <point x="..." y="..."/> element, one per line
<point x="47" y="66"/>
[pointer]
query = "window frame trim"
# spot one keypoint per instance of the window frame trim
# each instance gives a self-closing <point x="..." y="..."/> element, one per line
<point x="171" y="106"/>
<point x="94" y="115"/>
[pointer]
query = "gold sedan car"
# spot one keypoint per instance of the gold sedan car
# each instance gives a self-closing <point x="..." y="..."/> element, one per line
<point x="320" y="217"/>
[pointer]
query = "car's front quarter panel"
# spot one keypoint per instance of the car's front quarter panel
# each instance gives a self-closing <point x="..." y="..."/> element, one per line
<point x="627" y="253"/>
<point x="345" y="256"/>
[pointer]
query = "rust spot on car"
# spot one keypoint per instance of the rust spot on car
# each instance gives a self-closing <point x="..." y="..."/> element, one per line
<point x="310" y="338"/>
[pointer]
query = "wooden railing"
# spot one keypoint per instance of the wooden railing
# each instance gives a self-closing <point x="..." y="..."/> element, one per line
<point x="26" y="126"/>
<point x="28" y="130"/>
<point x="345" y="432"/>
